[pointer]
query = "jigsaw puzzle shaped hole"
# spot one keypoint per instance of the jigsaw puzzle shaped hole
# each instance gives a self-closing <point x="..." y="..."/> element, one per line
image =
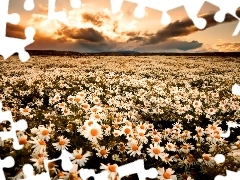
<point x="28" y="170"/>
<point x="140" y="11"/>
<point x="192" y="9"/>
<point x="63" y="160"/>
<point x="29" y="174"/>
<point x="9" y="45"/>
<point x="7" y="162"/>
<point x="219" y="158"/>
<point x="219" y="16"/>
<point x="15" y="126"/>
<point x="236" y="89"/>
<point x="29" y="5"/>
<point x="13" y="18"/>
<point x="116" y="6"/>
<point x="166" y="19"/>
<point x="75" y="3"/>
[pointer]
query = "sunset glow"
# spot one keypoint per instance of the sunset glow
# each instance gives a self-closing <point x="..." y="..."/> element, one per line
<point x="93" y="28"/>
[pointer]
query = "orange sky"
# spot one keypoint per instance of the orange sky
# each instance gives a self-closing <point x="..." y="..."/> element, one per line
<point x="93" y="27"/>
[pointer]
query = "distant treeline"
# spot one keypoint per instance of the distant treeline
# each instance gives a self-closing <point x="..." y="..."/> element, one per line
<point x="125" y="53"/>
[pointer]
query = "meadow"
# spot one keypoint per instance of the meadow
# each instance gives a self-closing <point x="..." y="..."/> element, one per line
<point x="112" y="110"/>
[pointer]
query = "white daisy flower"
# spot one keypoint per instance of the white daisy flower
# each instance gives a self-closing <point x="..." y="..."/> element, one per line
<point x="61" y="144"/>
<point x="112" y="170"/>
<point x="207" y="159"/>
<point x="43" y="133"/>
<point x="155" y="151"/>
<point x="39" y="145"/>
<point x="134" y="148"/>
<point x="102" y="152"/>
<point x="140" y="134"/>
<point x="186" y="148"/>
<point x="197" y="104"/>
<point x="25" y="111"/>
<point x="38" y="160"/>
<point x="85" y="106"/>
<point x="156" y="139"/>
<point x="170" y="146"/>
<point x="79" y="158"/>
<point x="127" y="130"/>
<point x="166" y="174"/>
<point x="93" y="132"/>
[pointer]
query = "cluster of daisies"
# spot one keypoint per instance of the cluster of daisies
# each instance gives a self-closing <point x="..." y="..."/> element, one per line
<point x="109" y="112"/>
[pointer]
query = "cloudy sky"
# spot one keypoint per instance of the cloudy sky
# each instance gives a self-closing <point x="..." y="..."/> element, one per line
<point x="93" y="28"/>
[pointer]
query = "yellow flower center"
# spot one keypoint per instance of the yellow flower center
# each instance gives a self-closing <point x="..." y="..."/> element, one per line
<point x="156" y="139"/>
<point x="61" y="142"/>
<point x="60" y="174"/>
<point x="97" y="116"/>
<point x="127" y="131"/>
<point x="51" y="165"/>
<point x="134" y="147"/>
<point x="103" y="152"/>
<point x="207" y="158"/>
<point x="22" y="141"/>
<point x="85" y="106"/>
<point x="94" y="132"/>
<point x="77" y="100"/>
<point x="112" y="168"/>
<point x="25" y="110"/>
<point x="42" y="142"/>
<point x="90" y="122"/>
<point x="166" y="175"/>
<point x="156" y="150"/>
<point x="78" y="156"/>
<point x="45" y="132"/>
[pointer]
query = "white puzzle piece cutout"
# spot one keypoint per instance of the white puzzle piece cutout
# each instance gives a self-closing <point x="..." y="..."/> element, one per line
<point x="236" y="89"/>
<point x="66" y="166"/>
<point x="136" y="167"/>
<point x="7" y="162"/>
<point x="15" y="126"/>
<point x="192" y="9"/>
<point x="9" y="45"/>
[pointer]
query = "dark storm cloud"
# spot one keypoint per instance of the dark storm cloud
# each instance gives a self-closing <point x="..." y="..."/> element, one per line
<point x="148" y="34"/>
<point x="96" y="19"/>
<point x="136" y="38"/>
<point x="170" y="45"/>
<point x="88" y="34"/>
<point x="183" y="28"/>
<point x="86" y="39"/>
<point x="184" y="45"/>
<point x="42" y="42"/>
<point x="94" y="47"/>
<point x="80" y="45"/>
<point x="90" y="40"/>
<point x="130" y="33"/>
